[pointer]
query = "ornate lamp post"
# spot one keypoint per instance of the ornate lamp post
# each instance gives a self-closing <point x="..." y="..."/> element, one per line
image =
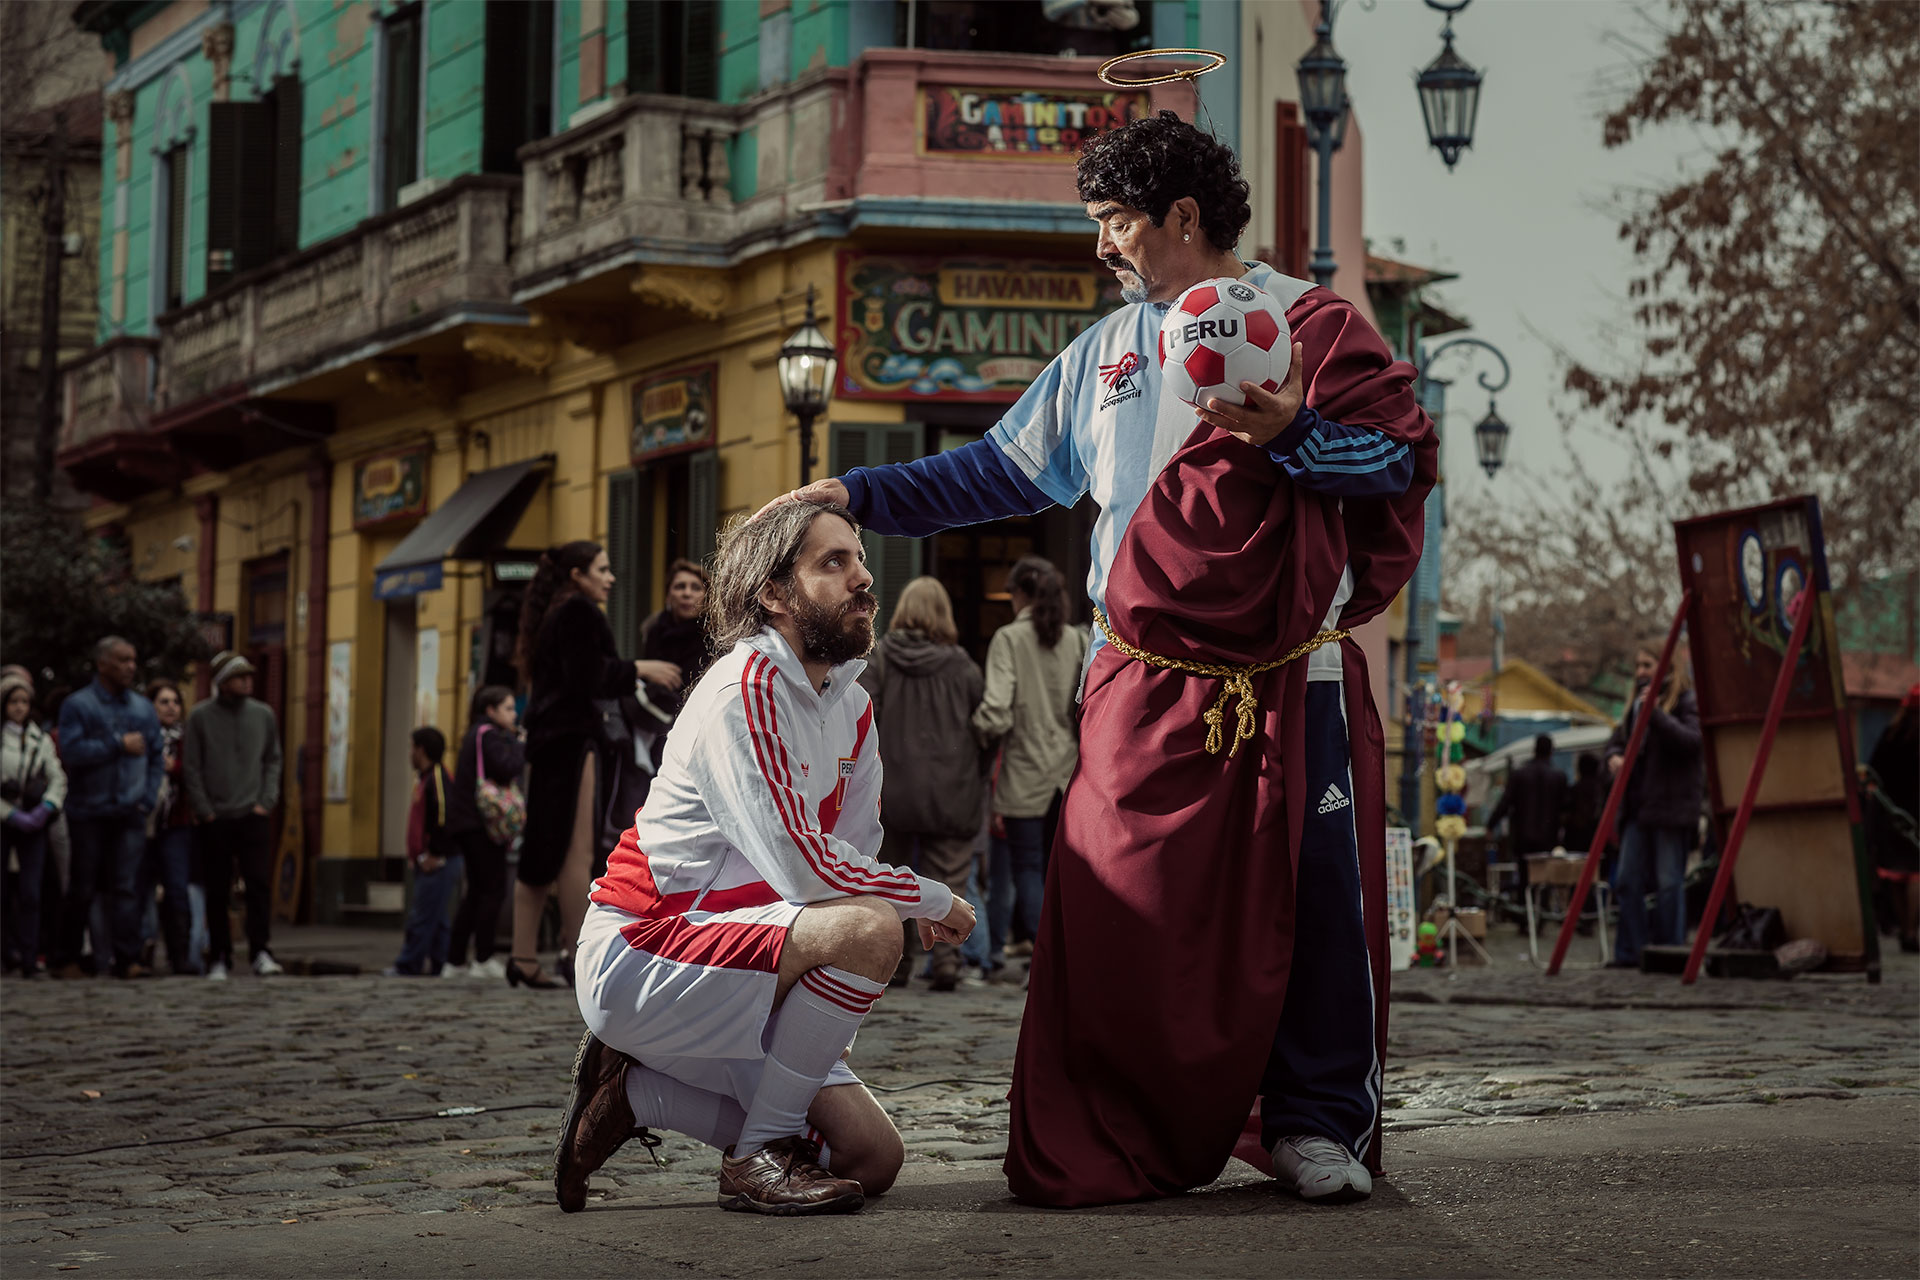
<point x="808" y="366"/>
<point x="1324" y="103"/>
<point x="1449" y="92"/>
<point x="1490" y="444"/>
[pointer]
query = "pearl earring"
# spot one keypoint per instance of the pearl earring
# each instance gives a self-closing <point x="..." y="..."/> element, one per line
<point x="1188" y="239"/>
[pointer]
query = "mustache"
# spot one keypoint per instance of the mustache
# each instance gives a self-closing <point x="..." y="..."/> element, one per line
<point x="1114" y="262"/>
<point x="860" y="599"/>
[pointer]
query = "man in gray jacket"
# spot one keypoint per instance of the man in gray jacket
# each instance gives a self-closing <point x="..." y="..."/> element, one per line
<point x="232" y="755"/>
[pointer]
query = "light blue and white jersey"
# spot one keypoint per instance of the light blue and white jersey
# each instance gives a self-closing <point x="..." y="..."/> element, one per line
<point x="1094" y="422"/>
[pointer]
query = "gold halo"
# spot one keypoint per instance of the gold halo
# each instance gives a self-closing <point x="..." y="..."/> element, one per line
<point x="1191" y="73"/>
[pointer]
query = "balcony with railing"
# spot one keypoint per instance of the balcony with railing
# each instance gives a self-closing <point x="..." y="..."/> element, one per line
<point x="913" y="139"/>
<point x="652" y="173"/>
<point x="437" y="262"/>
<point x="107" y="442"/>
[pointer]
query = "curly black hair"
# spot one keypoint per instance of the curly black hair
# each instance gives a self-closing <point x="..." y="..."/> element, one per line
<point x="1149" y="164"/>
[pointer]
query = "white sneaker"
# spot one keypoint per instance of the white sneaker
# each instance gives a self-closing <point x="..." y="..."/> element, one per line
<point x="1320" y="1169"/>
<point x="493" y="968"/>
<point x="265" y="966"/>
<point x="218" y="973"/>
<point x="455" y="971"/>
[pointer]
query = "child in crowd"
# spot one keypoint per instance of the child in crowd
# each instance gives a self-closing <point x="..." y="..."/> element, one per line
<point x="437" y="864"/>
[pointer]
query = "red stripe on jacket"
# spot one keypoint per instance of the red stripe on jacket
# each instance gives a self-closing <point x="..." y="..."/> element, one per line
<point x="763" y="722"/>
<point x="877" y="878"/>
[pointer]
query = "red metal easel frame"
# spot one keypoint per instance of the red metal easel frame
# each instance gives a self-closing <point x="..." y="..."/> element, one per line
<point x="1769" y="729"/>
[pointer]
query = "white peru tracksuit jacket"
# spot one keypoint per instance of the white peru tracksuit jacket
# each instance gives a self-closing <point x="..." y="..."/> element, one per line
<point x="768" y="792"/>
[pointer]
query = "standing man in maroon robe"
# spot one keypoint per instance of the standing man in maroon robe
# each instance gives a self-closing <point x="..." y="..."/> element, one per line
<point x="1214" y="925"/>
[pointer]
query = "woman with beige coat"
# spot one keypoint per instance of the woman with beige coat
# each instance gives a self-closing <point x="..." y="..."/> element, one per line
<point x="1033" y="674"/>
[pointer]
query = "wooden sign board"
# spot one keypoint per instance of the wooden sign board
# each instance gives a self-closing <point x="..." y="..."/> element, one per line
<point x="1749" y="573"/>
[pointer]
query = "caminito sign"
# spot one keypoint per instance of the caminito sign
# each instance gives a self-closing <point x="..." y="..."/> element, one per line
<point x="926" y="328"/>
<point x="960" y="120"/>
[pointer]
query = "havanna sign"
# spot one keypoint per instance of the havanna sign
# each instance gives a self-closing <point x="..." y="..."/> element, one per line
<point x="1027" y="123"/>
<point x="929" y="328"/>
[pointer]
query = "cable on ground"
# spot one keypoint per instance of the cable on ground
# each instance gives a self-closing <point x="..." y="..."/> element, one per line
<point x="446" y="1113"/>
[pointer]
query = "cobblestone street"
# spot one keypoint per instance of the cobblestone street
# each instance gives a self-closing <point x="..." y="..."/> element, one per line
<point x="145" y="1070"/>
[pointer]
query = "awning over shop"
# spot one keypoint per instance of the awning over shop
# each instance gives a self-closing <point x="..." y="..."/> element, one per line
<point x="471" y="525"/>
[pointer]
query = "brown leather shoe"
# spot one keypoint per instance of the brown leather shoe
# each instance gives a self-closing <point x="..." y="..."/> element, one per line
<point x="598" y="1122"/>
<point x="784" y="1178"/>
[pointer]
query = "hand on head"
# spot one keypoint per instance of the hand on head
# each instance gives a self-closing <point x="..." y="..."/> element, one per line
<point x="828" y="490"/>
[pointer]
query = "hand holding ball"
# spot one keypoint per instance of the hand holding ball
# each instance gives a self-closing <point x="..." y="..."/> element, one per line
<point x="1219" y="334"/>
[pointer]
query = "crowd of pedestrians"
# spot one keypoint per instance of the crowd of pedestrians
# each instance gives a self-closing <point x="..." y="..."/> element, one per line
<point x="126" y="819"/>
<point x="124" y="822"/>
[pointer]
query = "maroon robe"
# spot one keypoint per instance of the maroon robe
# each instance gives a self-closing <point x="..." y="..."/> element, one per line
<point x="1167" y="931"/>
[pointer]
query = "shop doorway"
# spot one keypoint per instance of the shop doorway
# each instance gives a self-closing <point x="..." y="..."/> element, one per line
<point x="264" y="628"/>
<point x="396" y="726"/>
<point x="971" y="562"/>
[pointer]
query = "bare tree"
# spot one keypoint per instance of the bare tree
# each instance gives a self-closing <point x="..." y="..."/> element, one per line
<point x="1779" y="290"/>
<point x="1584" y="572"/>
<point x="44" y="58"/>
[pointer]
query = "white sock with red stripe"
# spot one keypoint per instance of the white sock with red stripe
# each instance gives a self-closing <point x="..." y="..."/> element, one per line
<point x="816" y="1024"/>
<point x="661" y="1102"/>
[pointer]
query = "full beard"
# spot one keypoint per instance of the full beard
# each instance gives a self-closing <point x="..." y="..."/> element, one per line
<point x="835" y="635"/>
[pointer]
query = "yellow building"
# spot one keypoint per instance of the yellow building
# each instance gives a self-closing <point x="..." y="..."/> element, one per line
<point x="455" y="346"/>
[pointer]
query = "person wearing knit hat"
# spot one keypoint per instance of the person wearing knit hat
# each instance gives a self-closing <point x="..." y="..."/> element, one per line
<point x="32" y="788"/>
<point x="232" y="776"/>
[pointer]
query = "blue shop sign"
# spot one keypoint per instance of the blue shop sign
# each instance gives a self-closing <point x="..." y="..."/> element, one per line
<point x="410" y="580"/>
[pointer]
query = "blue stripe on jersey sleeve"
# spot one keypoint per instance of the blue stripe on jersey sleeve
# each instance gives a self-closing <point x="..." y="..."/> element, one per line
<point x="1345" y="462"/>
<point x="969" y="485"/>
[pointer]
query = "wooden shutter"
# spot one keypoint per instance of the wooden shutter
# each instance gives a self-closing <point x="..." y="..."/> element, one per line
<point x="893" y="562"/>
<point x="177" y="229"/>
<point x="288" y="103"/>
<point x="400" y="125"/>
<point x="645" y="19"/>
<point x="1290" y="220"/>
<point x="627" y="551"/>
<point x="519" y="79"/>
<point x="701" y="53"/>
<point x="703" y="505"/>
<point x="240" y="188"/>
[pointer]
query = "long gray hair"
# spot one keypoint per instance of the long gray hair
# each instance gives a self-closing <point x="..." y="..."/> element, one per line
<point x="752" y="554"/>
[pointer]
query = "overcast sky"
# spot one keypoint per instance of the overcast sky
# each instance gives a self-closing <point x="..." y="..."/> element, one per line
<point x="1522" y="218"/>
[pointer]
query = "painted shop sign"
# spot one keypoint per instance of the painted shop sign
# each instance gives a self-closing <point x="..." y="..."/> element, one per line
<point x="965" y="121"/>
<point x="673" y="411"/>
<point x="389" y="488"/>
<point x="927" y="328"/>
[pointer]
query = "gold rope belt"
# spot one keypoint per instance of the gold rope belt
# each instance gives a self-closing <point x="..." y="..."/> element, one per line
<point x="1238" y="681"/>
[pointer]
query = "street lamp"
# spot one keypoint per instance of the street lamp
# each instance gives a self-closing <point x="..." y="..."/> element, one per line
<point x="1449" y="92"/>
<point x="1490" y="440"/>
<point x="1490" y="443"/>
<point x="1324" y="103"/>
<point x="808" y="365"/>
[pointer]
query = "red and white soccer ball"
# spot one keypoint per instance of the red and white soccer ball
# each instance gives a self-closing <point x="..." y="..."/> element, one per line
<point x="1219" y="334"/>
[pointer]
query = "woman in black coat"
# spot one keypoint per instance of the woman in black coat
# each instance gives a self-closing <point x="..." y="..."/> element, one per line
<point x="1660" y="813"/>
<point x="569" y="660"/>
